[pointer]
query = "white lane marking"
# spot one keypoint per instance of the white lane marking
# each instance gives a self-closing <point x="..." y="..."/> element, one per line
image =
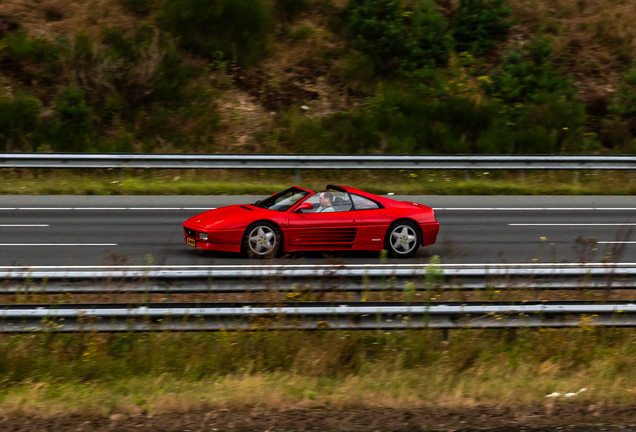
<point x="328" y="266"/>
<point x="107" y="208"/>
<point x="99" y="208"/>
<point x="536" y="208"/>
<point x="434" y="208"/>
<point x="45" y="208"/>
<point x="617" y="242"/>
<point x="58" y="244"/>
<point x="572" y="224"/>
<point x="24" y="226"/>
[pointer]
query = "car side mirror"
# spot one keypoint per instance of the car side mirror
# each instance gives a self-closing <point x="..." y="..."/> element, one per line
<point x="306" y="206"/>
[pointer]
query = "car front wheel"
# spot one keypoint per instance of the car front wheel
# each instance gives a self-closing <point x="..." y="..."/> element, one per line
<point x="402" y="239"/>
<point x="262" y="240"/>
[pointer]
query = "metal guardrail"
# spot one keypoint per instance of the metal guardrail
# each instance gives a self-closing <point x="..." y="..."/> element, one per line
<point x="243" y="279"/>
<point x="317" y="162"/>
<point x="305" y="316"/>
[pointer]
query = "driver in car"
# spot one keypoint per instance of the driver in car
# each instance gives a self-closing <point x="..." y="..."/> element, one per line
<point x="325" y="199"/>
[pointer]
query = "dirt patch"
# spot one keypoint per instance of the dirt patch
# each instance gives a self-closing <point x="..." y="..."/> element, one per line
<point x="538" y="418"/>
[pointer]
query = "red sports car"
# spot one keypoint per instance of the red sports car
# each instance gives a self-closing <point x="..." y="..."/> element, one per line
<point x="298" y="219"/>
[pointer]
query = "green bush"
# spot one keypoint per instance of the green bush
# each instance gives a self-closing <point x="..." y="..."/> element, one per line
<point x="145" y="67"/>
<point x="18" y="119"/>
<point x="72" y="124"/>
<point x="478" y="24"/>
<point x="229" y="29"/>
<point x="35" y="58"/>
<point x="625" y="104"/>
<point x="83" y="48"/>
<point x="288" y="9"/>
<point x="527" y="74"/>
<point x="138" y="6"/>
<point x="399" y="35"/>
<point x="406" y="120"/>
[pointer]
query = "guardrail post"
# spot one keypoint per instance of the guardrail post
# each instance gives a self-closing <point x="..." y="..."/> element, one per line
<point x="466" y="175"/>
<point x="630" y="175"/>
<point x="298" y="179"/>
<point x="522" y="175"/>
<point x="576" y="176"/>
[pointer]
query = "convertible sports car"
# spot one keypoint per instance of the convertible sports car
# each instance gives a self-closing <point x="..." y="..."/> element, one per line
<point x="298" y="219"/>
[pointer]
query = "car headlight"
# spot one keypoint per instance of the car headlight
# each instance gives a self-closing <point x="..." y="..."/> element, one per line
<point x="203" y="236"/>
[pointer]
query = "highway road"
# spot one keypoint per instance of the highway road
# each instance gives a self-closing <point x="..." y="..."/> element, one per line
<point x="136" y="230"/>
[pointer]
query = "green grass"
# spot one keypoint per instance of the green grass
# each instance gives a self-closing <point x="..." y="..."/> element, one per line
<point x="225" y="182"/>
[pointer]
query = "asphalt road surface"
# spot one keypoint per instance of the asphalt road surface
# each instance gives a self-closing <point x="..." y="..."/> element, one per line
<point x="142" y="230"/>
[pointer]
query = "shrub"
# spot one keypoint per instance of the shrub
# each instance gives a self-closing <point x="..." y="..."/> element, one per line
<point x="83" y="48"/>
<point x="526" y="74"/>
<point x="21" y="48"/>
<point x="288" y="9"/>
<point x="406" y="120"/>
<point x="34" y="59"/>
<point x="625" y="104"/>
<point x="18" y="118"/>
<point x="230" y="29"/>
<point x="399" y="36"/>
<point x="138" y="6"/>
<point x="73" y="120"/>
<point x="478" y="24"/>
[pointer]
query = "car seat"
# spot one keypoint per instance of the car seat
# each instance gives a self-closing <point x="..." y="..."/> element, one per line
<point x="339" y="204"/>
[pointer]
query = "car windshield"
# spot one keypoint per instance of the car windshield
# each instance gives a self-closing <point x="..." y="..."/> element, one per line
<point x="284" y="200"/>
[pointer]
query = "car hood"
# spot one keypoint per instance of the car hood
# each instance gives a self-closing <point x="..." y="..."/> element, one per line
<point x="230" y="217"/>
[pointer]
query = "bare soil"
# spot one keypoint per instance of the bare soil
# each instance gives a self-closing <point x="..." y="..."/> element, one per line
<point x="577" y="417"/>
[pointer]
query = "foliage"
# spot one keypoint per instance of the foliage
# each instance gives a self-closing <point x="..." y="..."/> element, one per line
<point x="478" y="24"/>
<point x="289" y="9"/>
<point x="526" y="74"/>
<point x="34" y="58"/>
<point x="18" y="119"/>
<point x="73" y="120"/>
<point x="229" y="29"/>
<point x="404" y="120"/>
<point x="399" y="35"/>
<point x="138" y="6"/>
<point x="625" y="104"/>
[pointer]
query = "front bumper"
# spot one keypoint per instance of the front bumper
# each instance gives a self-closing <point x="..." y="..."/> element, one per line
<point x="221" y="240"/>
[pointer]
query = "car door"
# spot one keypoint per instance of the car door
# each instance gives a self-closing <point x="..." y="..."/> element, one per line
<point x="328" y="230"/>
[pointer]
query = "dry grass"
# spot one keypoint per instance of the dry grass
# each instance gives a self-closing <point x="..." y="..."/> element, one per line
<point x="595" y="37"/>
<point x="72" y="16"/>
<point x="375" y="389"/>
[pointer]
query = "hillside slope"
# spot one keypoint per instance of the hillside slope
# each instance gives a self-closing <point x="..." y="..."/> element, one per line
<point x="455" y="76"/>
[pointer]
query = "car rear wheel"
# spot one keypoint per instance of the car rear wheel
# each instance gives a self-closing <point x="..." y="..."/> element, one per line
<point x="402" y="239"/>
<point x="262" y="240"/>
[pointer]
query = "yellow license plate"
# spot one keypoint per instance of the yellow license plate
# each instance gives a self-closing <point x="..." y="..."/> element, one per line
<point x="191" y="242"/>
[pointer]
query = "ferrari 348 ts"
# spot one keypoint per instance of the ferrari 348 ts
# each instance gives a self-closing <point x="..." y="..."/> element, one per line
<point x="298" y="219"/>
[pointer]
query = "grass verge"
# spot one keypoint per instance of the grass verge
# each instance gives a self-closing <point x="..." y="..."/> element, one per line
<point x="226" y="182"/>
<point x="52" y="374"/>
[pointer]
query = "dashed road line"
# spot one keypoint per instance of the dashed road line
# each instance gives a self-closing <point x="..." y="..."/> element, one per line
<point x="23" y="225"/>
<point x="57" y="244"/>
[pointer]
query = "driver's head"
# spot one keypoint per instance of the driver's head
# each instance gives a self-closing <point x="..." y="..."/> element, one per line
<point x="325" y="198"/>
